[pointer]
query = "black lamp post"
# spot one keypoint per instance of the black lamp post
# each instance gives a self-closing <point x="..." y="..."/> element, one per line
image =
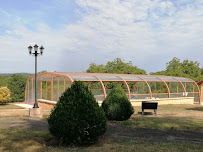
<point x="35" y="53"/>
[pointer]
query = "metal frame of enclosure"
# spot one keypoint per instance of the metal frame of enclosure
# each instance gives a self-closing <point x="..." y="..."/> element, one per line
<point x="50" y="85"/>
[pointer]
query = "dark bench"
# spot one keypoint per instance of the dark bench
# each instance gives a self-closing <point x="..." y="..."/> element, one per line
<point x="149" y="105"/>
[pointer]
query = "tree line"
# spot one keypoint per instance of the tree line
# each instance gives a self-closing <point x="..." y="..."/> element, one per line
<point x="175" y="67"/>
<point x="190" y="69"/>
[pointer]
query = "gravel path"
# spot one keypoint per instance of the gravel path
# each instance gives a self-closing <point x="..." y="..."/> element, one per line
<point x="115" y="131"/>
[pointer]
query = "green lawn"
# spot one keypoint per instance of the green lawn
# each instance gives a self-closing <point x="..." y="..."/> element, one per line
<point x="9" y="106"/>
<point x="179" y="117"/>
<point x="34" y="141"/>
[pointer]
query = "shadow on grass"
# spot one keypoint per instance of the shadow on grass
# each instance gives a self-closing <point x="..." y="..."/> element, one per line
<point x="177" y="123"/>
<point x="146" y="113"/>
<point x="23" y="123"/>
<point x="196" y="108"/>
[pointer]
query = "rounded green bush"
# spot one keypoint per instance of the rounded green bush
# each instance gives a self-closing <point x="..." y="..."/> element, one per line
<point x="77" y="117"/>
<point x="117" y="106"/>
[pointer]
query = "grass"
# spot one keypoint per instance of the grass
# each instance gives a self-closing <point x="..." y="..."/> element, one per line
<point x="38" y="141"/>
<point x="178" y="117"/>
<point x="14" y="116"/>
<point x="11" y="110"/>
<point x="9" y="106"/>
<point x="180" y="123"/>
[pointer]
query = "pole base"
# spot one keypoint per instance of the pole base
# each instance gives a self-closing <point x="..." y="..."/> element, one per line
<point x="35" y="113"/>
<point x="35" y="105"/>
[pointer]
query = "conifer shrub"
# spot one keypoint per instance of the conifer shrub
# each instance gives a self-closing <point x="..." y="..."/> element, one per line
<point x="77" y="118"/>
<point x="117" y="106"/>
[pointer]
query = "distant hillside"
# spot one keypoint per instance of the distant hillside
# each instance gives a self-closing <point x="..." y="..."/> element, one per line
<point x="9" y="74"/>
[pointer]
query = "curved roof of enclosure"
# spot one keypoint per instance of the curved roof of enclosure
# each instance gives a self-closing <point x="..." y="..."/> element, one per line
<point x="82" y="76"/>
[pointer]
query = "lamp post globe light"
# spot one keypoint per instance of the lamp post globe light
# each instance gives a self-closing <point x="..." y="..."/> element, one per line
<point x="35" y="53"/>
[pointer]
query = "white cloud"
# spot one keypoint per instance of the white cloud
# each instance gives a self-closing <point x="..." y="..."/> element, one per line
<point x="145" y="32"/>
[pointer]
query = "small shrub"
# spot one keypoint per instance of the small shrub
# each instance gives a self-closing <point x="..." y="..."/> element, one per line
<point x="117" y="106"/>
<point x="4" y="95"/>
<point x="77" y="117"/>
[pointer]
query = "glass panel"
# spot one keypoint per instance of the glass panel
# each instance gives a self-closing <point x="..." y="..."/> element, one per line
<point x="141" y="88"/>
<point x="61" y="87"/>
<point x="159" y="90"/>
<point x="38" y="89"/>
<point x="86" y="83"/>
<point x="169" y="79"/>
<point x="97" y="92"/>
<point x="184" y="79"/>
<point x="61" y="78"/>
<point x="195" y="88"/>
<point x="196" y="94"/>
<point x="55" y="78"/>
<point x="131" y="86"/>
<point x="196" y="99"/>
<point x="158" y="95"/>
<point x="96" y="88"/>
<point x="153" y="86"/>
<point x="126" y="91"/>
<point x="123" y="86"/>
<point x="188" y="86"/>
<point x="108" y="91"/>
<point x="95" y="85"/>
<point x="55" y="91"/>
<point x="48" y="94"/>
<point x="174" y="95"/>
<point x="99" y="98"/>
<point x="31" y="91"/>
<point x="190" y="95"/>
<point x="44" y="90"/>
<point x="46" y="78"/>
<point x="132" y="78"/>
<point x="152" y="79"/>
<point x="26" y="93"/>
<point x="181" y="94"/>
<point x="140" y="96"/>
<point x="110" y="85"/>
<point x="109" y="78"/>
<point x="83" y="78"/>
<point x="68" y="84"/>
<point x="173" y="87"/>
<point x="180" y="88"/>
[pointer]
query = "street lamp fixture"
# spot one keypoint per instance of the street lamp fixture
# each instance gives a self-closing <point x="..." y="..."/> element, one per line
<point x="35" y="53"/>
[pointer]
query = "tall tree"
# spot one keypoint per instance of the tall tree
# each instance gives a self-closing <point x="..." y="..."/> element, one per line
<point x="96" y="68"/>
<point x="189" y="69"/>
<point x="116" y="66"/>
<point x="16" y="85"/>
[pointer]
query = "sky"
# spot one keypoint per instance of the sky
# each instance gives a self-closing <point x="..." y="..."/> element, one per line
<point x="76" y="33"/>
